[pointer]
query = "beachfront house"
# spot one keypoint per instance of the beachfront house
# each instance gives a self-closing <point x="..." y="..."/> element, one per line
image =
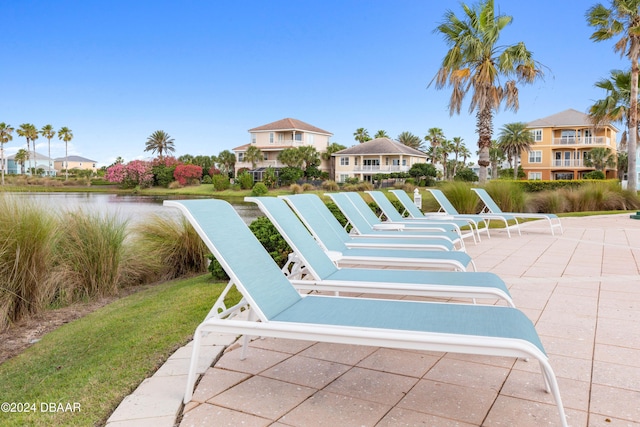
<point x="561" y="147"/>
<point x="273" y="138"/>
<point x="43" y="165"/>
<point x="377" y="156"/>
<point x="75" y="162"/>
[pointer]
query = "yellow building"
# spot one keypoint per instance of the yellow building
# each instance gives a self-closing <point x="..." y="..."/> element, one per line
<point x="561" y="145"/>
<point x="380" y="155"/>
<point x="75" y="162"/>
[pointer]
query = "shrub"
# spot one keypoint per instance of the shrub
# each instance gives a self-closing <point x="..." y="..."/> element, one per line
<point x="259" y="189"/>
<point x="188" y="174"/>
<point x="163" y="175"/>
<point x="134" y="174"/>
<point x="466" y="175"/>
<point x="174" y="184"/>
<point x="330" y="186"/>
<point x="28" y="237"/>
<point x="308" y="187"/>
<point x="296" y="189"/>
<point x="246" y="180"/>
<point x="207" y="179"/>
<point x="220" y="182"/>
<point x="289" y="175"/>
<point x="594" y="175"/>
<point x="461" y="197"/>
<point x="508" y="195"/>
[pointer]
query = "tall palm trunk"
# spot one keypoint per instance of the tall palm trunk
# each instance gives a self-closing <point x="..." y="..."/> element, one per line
<point x="28" y="155"/>
<point x="485" y="129"/>
<point x="632" y="143"/>
<point x="515" y="166"/>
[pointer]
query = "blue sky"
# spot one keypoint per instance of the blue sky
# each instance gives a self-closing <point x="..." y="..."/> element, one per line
<point x="207" y="71"/>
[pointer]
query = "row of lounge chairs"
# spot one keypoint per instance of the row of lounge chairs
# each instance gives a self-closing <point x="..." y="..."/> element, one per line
<point x="409" y="260"/>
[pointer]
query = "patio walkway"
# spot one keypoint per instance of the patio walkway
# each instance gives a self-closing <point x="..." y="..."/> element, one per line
<point x="581" y="289"/>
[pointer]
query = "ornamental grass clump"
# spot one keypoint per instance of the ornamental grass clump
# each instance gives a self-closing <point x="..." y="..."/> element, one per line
<point x="170" y="247"/>
<point x="90" y="255"/>
<point x="508" y="195"/>
<point x="27" y="243"/>
<point x="461" y="197"/>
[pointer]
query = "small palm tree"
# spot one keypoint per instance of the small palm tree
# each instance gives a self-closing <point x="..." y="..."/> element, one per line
<point x="29" y="132"/>
<point x="160" y="142"/>
<point x="476" y="62"/>
<point x="65" y="135"/>
<point x="600" y="158"/>
<point x="5" y="136"/>
<point x="381" y="134"/>
<point x="410" y="140"/>
<point x="434" y="136"/>
<point x="48" y="132"/>
<point x="253" y="155"/>
<point x="226" y="162"/>
<point x="622" y="19"/>
<point x="496" y="157"/>
<point x="21" y="157"/>
<point x="513" y="139"/>
<point x="361" y="135"/>
<point x="328" y="156"/>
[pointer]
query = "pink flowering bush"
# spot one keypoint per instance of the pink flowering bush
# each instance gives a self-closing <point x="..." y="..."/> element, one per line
<point x="188" y="174"/>
<point x="134" y="174"/>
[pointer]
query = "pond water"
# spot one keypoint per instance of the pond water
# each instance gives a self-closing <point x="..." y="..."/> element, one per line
<point x="132" y="208"/>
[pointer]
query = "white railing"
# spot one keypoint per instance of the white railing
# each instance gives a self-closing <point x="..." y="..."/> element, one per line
<point x="376" y="168"/>
<point x="569" y="163"/>
<point x="581" y="140"/>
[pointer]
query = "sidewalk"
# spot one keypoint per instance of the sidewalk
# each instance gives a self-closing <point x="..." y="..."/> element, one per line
<point x="581" y="289"/>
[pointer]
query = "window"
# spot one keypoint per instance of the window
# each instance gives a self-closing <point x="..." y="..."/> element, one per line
<point x="537" y="135"/>
<point x="535" y="156"/>
<point x="253" y="138"/>
<point x="396" y="162"/>
<point x="241" y="157"/>
<point x="270" y="137"/>
<point x="404" y="162"/>
<point x="265" y="156"/>
<point x="343" y="177"/>
<point x="535" y="175"/>
<point x="344" y="161"/>
<point x="310" y="139"/>
<point x="298" y="137"/>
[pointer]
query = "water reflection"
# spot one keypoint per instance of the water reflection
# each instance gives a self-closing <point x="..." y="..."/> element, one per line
<point x="133" y="208"/>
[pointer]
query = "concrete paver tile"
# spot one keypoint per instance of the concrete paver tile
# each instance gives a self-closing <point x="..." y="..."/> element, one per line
<point x="210" y="415"/>
<point x="315" y="373"/>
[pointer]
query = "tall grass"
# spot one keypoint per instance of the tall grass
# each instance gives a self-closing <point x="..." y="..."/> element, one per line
<point x="461" y="197"/>
<point x="90" y="253"/>
<point x="171" y="248"/>
<point x="27" y="242"/>
<point x="508" y="195"/>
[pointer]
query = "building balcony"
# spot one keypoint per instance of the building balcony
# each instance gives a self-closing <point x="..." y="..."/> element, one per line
<point x="571" y="163"/>
<point x="380" y="169"/>
<point x="589" y="140"/>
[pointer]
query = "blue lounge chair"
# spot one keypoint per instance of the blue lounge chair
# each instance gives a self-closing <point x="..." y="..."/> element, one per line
<point x="360" y="216"/>
<point x="272" y="307"/>
<point x="312" y="269"/>
<point x="317" y="218"/>
<point x="490" y="206"/>
<point x="486" y="218"/>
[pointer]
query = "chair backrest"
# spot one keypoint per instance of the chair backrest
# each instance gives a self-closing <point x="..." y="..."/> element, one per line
<point x="363" y="222"/>
<point x="443" y="201"/>
<point x="406" y="201"/>
<point x="240" y="254"/>
<point x="487" y="200"/>
<point x="297" y="236"/>
<point x="386" y="206"/>
<point x="317" y="217"/>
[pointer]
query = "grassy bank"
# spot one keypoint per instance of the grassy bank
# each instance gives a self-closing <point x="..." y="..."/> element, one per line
<point x="97" y="360"/>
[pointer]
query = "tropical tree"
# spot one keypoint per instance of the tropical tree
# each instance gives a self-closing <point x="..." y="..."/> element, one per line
<point x="457" y="144"/>
<point x="291" y="157"/>
<point x="410" y="140"/>
<point x="187" y="159"/>
<point x="6" y="132"/>
<point x="514" y="138"/>
<point x="253" y="155"/>
<point x="476" y="62"/>
<point x="65" y="135"/>
<point x="622" y="19"/>
<point x="227" y="162"/>
<point x="434" y="137"/>
<point x="381" y="134"/>
<point x="29" y="132"/>
<point x="48" y="132"/>
<point x="361" y="135"/>
<point x="496" y="157"/>
<point x="600" y="158"/>
<point x="328" y="156"/>
<point x="446" y="148"/>
<point x="160" y="142"/>
<point x="622" y="162"/>
<point x="21" y="157"/>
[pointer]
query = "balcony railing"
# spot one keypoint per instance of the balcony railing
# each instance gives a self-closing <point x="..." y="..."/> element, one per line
<point x="581" y="140"/>
<point x="575" y="163"/>
<point x="377" y="168"/>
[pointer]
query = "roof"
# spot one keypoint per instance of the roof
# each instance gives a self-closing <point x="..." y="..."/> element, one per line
<point x="380" y="146"/>
<point x="38" y="156"/>
<point x="289" y="124"/>
<point x="564" y="118"/>
<point x="74" y="159"/>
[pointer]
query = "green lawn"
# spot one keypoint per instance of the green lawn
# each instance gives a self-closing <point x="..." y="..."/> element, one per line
<point x="95" y="361"/>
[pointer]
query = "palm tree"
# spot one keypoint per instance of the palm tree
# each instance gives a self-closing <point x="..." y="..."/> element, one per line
<point x="29" y="132"/>
<point x="446" y="148"/>
<point x="458" y="144"/>
<point x="5" y="136"/>
<point x="361" y="135"/>
<point x="600" y="158"/>
<point x="622" y="19"/>
<point x="513" y="139"/>
<point x="159" y="142"/>
<point x="328" y="156"/>
<point x="21" y="157"/>
<point x="253" y="155"/>
<point x="227" y="162"/>
<point x="381" y="134"/>
<point x="475" y="61"/>
<point x="291" y="157"/>
<point x="496" y="157"/>
<point x="66" y="135"/>
<point x="434" y="136"/>
<point x="410" y="140"/>
<point x="48" y="132"/>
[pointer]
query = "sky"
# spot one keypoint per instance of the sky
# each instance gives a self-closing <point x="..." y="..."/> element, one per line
<point x="207" y="71"/>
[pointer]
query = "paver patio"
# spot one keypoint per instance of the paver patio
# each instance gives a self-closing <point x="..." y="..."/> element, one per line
<point x="581" y="289"/>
